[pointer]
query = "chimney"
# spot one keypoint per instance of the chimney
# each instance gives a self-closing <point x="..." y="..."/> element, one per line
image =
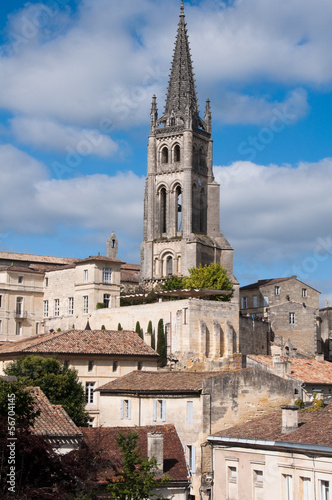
<point x="289" y="418"/>
<point x="156" y="450"/>
<point x="280" y="368"/>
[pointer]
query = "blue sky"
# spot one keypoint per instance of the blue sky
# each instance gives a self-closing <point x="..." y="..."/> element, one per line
<point x="77" y="78"/>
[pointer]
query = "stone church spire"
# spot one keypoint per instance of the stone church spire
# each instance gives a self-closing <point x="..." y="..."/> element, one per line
<point x="181" y="95"/>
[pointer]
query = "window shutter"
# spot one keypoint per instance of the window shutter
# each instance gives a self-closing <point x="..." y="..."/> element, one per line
<point x="129" y="409"/>
<point x="193" y="459"/>
<point x="190" y="415"/>
<point x="164" y="411"/>
<point x="155" y="410"/>
<point x="121" y="410"/>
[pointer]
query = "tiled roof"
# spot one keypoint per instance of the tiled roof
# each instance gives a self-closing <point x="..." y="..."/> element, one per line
<point x="159" y="381"/>
<point x="129" y="277"/>
<point x="306" y="370"/>
<point x="272" y="281"/>
<point x="99" y="258"/>
<point x="53" y="421"/>
<point x="315" y="428"/>
<point x="174" y="460"/>
<point x="20" y="269"/>
<point x="131" y="267"/>
<point x="82" y="342"/>
<point x="35" y="258"/>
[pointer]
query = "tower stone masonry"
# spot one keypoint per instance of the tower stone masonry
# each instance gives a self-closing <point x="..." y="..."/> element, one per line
<point x="182" y="198"/>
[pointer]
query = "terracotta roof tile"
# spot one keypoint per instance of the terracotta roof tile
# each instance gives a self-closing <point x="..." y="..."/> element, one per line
<point x="82" y="342"/>
<point x="315" y="428"/>
<point x="304" y="369"/>
<point x="20" y="269"/>
<point x="35" y="258"/>
<point x="160" y="381"/>
<point x="53" y="421"/>
<point x="99" y="258"/>
<point x="174" y="460"/>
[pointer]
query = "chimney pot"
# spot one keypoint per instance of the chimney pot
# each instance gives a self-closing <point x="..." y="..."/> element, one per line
<point x="289" y="418"/>
<point x="156" y="450"/>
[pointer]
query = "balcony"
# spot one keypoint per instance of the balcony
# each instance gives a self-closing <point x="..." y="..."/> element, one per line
<point x="21" y="314"/>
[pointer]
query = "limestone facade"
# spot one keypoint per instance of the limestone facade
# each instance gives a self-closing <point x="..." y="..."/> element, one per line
<point x="325" y="332"/>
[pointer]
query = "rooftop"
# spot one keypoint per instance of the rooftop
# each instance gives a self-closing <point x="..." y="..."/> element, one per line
<point x="271" y="281"/>
<point x="174" y="461"/>
<point x="45" y="259"/>
<point x="99" y="342"/>
<point x="53" y="421"/>
<point x="315" y="428"/>
<point x="159" y="381"/>
<point x="304" y="369"/>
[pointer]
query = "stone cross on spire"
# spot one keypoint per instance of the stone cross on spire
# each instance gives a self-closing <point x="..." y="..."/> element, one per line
<point x="181" y="93"/>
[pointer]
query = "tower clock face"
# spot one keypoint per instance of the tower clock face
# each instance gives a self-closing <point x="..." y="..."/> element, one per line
<point x="199" y="181"/>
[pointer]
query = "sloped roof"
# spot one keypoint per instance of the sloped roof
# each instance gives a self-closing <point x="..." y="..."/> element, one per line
<point x="310" y="371"/>
<point x="53" y="420"/>
<point x="124" y="343"/>
<point x="272" y="281"/>
<point x="315" y="428"/>
<point x="99" y="258"/>
<point x="20" y="269"/>
<point x="35" y="258"/>
<point x="159" y="381"/>
<point x="174" y="460"/>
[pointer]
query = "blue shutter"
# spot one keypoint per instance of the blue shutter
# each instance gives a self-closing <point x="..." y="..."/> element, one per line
<point x="129" y="409"/>
<point x="121" y="410"/>
<point x="155" y="410"/>
<point x="193" y="459"/>
<point x="163" y="410"/>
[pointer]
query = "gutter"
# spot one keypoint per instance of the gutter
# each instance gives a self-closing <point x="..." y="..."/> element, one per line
<point x="257" y="443"/>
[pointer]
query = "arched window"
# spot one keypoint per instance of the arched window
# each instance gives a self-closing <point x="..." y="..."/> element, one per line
<point x="164" y="155"/>
<point x="169" y="266"/>
<point x="178" y="208"/>
<point x="203" y="212"/>
<point x="163" y="210"/>
<point x="177" y="153"/>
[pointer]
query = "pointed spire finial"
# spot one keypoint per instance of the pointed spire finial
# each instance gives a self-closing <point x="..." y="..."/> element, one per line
<point x="182" y="8"/>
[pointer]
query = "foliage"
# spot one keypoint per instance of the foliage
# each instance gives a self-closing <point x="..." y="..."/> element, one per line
<point x="57" y="381"/>
<point x="300" y="403"/>
<point x="138" y="329"/>
<point x="120" y="327"/>
<point x="136" y="481"/>
<point x="23" y="402"/>
<point x="100" y="305"/>
<point x="213" y="277"/>
<point x="153" y="337"/>
<point x="174" y="283"/>
<point x="59" y="330"/>
<point x="103" y="327"/>
<point x="161" y="343"/>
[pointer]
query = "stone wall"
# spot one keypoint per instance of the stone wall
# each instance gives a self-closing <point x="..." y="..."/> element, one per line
<point x="325" y="332"/>
<point x="255" y="336"/>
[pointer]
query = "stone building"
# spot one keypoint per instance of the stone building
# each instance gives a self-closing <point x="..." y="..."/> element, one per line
<point x="325" y="332"/>
<point x="181" y="203"/>
<point x="290" y="307"/>
<point x="285" y="455"/>
<point x="197" y="403"/>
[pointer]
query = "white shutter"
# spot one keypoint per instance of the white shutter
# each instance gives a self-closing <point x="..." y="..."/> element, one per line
<point x="155" y="410"/>
<point x="193" y="459"/>
<point x="190" y="413"/>
<point x="129" y="409"/>
<point x="164" y="410"/>
<point x="121" y="410"/>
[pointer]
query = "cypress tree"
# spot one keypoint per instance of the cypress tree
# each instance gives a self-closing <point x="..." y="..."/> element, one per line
<point x="153" y="337"/>
<point x="120" y="327"/>
<point x="138" y="329"/>
<point x="161" y="342"/>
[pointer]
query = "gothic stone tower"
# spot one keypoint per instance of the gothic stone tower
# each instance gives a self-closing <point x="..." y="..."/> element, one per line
<point x="181" y="204"/>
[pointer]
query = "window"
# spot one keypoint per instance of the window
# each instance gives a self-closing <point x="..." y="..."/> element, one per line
<point x="232" y="474"/>
<point x="159" y="410"/>
<point x="177" y="153"/>
<point x="0" y="300"/>
<point x="20" y="279"/>
<point x="56" y="307"/>
<point x="0" y="325"/>
<point x="190" y="412"/>
<point x="45" y="309"/>
<point x="192" y="458"/>
<point x="19" y="328"/>
<point x="71" y="306"/>
<point x="107" y="300"/>
<point x="325" y="490"/>
<point x="288" y="486"/>
<point x="89" y="392"/>
<point x="292" y="318"/>
<point x="139" y="366"/>
<point x="37" y="328"/>
<point x="164" y="155"/>
<point x="244" y="302"/>
<point x="19" y="307"/>
<point x="254" y="301"/>
<point x="258" y="477"/>
<point x="163" y="210"/>
<point x="306" y="488"/>
<point x="115" y="366"/>
<point x="277" y="290"/>
<point x="304" y="292"/>
<point x="85" y="304"/>
<point x="66" y="363"/>
<point x="90" y="366"/>
<point x="125" y="409"/>
<point x="266" y="301"/>
<point x="91" y="422"/>
<point x="107" y="275"/>
<point x="46" y="282"/>
<point x="86" y="275"/>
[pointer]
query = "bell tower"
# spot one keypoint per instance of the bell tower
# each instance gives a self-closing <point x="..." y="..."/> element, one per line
<point x="181" y="203"/>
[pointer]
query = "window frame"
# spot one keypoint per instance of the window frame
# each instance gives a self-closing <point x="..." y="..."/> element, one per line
<point x="85" y="304"/>
<point x="70" y="306"/>
<point x="292" y="318"/>
<point x="56" y="308"/>
<point x="107" y="275"/>
<point x="45" y="309"/>
<point x="89" y="393"/>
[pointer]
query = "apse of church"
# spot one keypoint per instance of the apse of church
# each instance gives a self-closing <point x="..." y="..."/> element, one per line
<point x="181" y="203"/>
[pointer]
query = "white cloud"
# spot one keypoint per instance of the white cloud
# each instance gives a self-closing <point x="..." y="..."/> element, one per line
<point x="52" y="136"/>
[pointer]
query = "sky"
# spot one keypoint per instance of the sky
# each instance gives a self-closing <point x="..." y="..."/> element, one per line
<point x="76" y="83"/>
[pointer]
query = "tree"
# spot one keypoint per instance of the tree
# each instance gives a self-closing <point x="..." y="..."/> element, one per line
<point x="138" y="329"/>
<point x="161" y="342"/>
<point x="153" y="337"/>
<point x="57" y="381"/>
<point x="213" y="277"/>
<point x="120" y="327"/>
<point x="174" y="283"/>
<point x="15" y="398"/>
<point x="136" y="479"/>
